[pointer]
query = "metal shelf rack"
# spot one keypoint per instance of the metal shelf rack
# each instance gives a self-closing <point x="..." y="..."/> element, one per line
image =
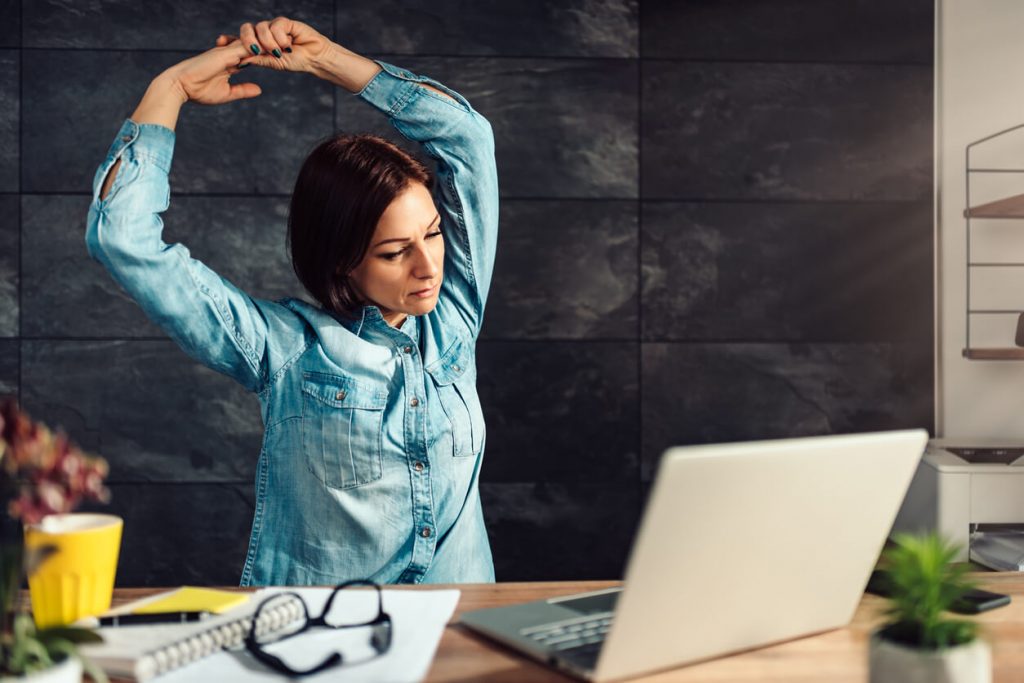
<point x="1011" y="207"/>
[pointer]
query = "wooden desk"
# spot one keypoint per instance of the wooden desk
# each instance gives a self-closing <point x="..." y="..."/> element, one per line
<point x="837" y="656"/>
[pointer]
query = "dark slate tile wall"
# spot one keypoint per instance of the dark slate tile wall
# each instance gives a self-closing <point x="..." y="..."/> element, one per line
<point x="10" y="31"/>
<point x="9" y="360"/>
<point x="10" y="251"/>
<point x="10" y="68"/>
<point x="716" y="225"/>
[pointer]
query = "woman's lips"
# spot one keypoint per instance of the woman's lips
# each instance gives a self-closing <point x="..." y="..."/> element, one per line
<point x="424" y="293"/>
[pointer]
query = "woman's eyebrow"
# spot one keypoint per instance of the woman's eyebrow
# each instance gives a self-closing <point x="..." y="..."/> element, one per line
<point x="406" y="239"/>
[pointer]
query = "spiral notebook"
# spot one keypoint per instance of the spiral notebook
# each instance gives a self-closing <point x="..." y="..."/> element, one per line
<point x="142" y="652"/>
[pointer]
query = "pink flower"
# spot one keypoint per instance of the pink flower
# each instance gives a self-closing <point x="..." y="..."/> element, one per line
<point x="41" y="472"/>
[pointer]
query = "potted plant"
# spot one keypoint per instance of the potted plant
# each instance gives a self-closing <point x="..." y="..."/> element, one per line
<point x="918" y="642"/>
<point x="41" y="473"/>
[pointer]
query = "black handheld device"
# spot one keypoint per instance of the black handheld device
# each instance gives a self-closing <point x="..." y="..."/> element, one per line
<point x="972" y="602"/>
<point x="979" y="600"/>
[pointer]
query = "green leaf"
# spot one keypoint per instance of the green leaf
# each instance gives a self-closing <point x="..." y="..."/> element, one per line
<point x="97" y="674"/>
<point x="25" y="649"/>
<point x="24" y="627"/>
<point x="72" y="634"/>
<point x="30" y="655"/>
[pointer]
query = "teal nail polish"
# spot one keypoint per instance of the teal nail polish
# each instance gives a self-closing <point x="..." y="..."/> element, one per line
<point x="288" y="50"/>
<point x="277" y="53"/>
<point x="242" y="66"/>
<point x="255" y="48"/>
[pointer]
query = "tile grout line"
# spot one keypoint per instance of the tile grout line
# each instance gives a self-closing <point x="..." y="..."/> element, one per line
<point x="527" y="198"/>
<point x="21" y="186"/>
<point x="551" y="57"/>
<point x="639" y="262"/>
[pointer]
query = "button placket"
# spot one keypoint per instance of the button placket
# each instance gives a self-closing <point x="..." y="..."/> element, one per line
<point x="417" y="429"/>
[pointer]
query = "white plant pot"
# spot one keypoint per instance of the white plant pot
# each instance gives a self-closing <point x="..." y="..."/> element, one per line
<point x="67" y="671"/>
<point x="890" y="662"/>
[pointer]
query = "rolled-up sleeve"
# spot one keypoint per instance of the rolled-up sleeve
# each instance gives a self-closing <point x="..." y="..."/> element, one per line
<point x="211" y="319"/>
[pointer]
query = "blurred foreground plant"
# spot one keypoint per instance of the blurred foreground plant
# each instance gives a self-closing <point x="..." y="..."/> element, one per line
<point x="41" y="473"/>
<point x="923" y="583"/>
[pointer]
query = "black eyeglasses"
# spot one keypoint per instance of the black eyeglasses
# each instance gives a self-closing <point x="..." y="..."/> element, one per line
<point x="274" y="621"/>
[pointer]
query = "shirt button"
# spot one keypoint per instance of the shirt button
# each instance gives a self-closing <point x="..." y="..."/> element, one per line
<point x="340" y="396"/>
<point x="425" y="532"/>
<point x="407" y="349"/>
<point x="418" y="466"/>
<point x="126" y="138"/>
<point x="415" y="402"/>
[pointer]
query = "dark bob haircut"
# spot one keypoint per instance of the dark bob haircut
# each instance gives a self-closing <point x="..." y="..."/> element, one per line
<point x="342" y="190"/>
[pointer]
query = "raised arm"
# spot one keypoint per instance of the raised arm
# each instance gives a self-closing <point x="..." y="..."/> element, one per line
<point x="423" y="111"/>
<point x="203" y="81"/>
<point x="210" y="318"/>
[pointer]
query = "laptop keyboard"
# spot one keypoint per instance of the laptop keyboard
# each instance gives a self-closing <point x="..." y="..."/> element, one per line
<point x="578" y="639"/>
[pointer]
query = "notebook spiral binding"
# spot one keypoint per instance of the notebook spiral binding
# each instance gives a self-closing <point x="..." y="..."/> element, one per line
<point x="222" y="636"/>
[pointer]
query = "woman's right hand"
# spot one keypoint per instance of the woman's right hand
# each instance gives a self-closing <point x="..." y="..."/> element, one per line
<point x="204" y="78"/>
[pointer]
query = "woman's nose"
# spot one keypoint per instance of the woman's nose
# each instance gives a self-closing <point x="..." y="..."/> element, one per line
<point x="427" y="264"/>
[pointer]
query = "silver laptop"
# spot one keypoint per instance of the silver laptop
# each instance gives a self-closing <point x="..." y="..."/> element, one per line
<point x="741" y="545"/>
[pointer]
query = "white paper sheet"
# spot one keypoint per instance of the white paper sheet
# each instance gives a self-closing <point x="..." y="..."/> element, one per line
<point x="418" y="619"/>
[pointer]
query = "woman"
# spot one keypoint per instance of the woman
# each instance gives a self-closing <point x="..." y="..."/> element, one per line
<point x="373" y="433"/>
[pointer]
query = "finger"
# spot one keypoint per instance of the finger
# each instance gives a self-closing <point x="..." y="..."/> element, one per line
<point x="225" y="39"/>
<point x="267" y="40"/>
<point x="265" y="60"/>
<point x="281" y="30"/>
<point x="248" y="35"/>
<point x="243" y="91"/>
<point x="235" y="54"/>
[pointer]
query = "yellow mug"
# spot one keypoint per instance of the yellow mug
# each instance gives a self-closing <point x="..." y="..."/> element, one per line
<point x="78" y="580"/>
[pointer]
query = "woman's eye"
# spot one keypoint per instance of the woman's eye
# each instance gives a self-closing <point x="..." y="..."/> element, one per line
<point x="393" y="255"/>
<point x="434" y="234"/>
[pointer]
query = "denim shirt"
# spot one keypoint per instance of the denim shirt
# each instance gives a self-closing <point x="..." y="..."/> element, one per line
<point x="373" y="436"/>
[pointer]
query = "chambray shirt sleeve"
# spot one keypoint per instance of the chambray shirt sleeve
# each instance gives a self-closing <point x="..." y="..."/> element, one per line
<point x="462" y="141"/>
<point x="211" y="319"/>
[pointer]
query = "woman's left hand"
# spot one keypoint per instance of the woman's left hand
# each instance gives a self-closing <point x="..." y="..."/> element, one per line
<point x="282" y="44"/>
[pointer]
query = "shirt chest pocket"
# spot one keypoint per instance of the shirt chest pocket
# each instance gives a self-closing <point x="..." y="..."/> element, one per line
<point x="342" y="432"/>
<point x="456" y="387"/>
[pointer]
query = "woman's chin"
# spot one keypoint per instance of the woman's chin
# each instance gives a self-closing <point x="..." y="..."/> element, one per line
<point x="425" y="306"/>
<point x="421" y="307"/>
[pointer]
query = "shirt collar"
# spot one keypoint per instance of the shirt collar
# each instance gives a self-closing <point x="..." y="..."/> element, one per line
<point x="370" y="317"/>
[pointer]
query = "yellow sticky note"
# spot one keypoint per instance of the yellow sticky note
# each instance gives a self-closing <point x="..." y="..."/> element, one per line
<point x="193" y="599"/>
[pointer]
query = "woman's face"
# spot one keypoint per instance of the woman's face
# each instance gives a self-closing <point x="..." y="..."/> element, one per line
<point x="403" y="268"/>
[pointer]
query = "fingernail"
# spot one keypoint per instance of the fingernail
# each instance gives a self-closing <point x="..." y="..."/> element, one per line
<point x="288" y="49"/>
<point x="242" y="66"/>
<point x="255" y="48"/>
<point x="276" y="53"/>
